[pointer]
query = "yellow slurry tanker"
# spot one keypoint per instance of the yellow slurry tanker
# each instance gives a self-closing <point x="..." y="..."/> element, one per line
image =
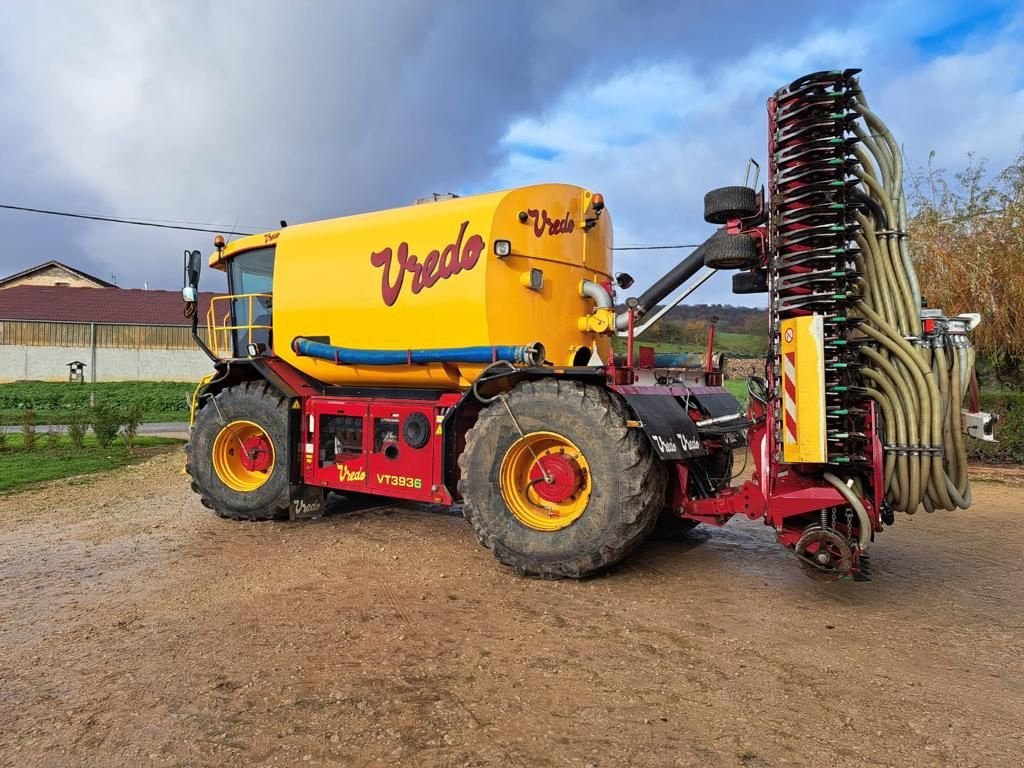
<point x="461" y="350"/>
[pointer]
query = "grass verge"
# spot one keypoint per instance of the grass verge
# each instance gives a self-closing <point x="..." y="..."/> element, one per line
<point x="53" y="401"/>
<point x="19" y="467"/>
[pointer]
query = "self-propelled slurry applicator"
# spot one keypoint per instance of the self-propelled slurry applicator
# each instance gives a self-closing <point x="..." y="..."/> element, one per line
<point x="461" y="350"/>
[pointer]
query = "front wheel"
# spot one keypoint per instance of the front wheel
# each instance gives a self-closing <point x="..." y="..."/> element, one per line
<point x="236" y="453"/>
<point x="561" y="487"/>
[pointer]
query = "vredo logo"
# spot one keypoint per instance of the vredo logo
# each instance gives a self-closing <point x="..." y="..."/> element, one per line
<point x="436" y="265"/>
<point x="348" y="475"/>
<point x="544" y="224"/>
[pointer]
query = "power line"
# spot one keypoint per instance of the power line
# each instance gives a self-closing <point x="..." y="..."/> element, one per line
<point x="167" y="224"/>
<point x="116" y="220"/>
<point x="654" y="247"/>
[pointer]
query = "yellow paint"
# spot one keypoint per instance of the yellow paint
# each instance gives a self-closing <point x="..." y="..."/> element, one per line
<point x="193" y="404"/>
<point x="803" y="340"/>
<point x="518" y="492"/>
<point x="326" y="286"/>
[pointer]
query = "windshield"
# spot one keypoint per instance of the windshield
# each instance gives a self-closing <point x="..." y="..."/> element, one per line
<point x="251" y="272"/>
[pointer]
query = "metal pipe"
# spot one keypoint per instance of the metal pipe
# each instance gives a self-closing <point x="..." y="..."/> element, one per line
<point x="596" y="293"/>
<point x="671" y="280"/>
<point x="92" y="352"/>
<point x="665" y="308"/>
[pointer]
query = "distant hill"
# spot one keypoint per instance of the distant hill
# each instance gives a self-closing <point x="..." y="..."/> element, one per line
<point x="739" y="331"/>
<point x="752" y="320"/>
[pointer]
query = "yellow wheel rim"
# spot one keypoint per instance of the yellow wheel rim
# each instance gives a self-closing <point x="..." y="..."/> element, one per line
<point x="243" y="456"/>
<point x="545" y="481"/>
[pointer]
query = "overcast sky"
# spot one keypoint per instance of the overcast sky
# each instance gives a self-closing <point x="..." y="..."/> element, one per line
<point x="250" y="112"/>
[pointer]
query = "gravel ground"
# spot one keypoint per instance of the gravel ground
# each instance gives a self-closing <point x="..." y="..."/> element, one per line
<point x="136" y="629"/>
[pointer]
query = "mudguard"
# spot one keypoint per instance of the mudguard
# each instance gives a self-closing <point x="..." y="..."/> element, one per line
<point x="671" y="430"/>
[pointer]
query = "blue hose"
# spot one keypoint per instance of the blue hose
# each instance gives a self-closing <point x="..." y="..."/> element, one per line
<point x="669" y="360"/>
<point x="528" y="354"/>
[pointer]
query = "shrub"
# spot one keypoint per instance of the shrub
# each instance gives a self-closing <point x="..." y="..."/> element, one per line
<point x="106" y="423"/>
<point x="967" y="234"/>
<point x="78" y="425"/>
<point x="28" y="429"/>
<point x="53" y="439"/>
<point x="1009" y="430"/>
<point x="132" y="419"/>
<point x="3" y="440"/>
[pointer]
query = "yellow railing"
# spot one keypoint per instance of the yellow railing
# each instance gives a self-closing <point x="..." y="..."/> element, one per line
<point x="221" y="330"/>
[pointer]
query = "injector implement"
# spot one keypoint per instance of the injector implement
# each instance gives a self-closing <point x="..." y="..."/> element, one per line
<point x="461" y="351"/>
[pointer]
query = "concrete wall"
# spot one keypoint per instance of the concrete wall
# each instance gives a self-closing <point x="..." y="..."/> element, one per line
<point x="18" y="362"/>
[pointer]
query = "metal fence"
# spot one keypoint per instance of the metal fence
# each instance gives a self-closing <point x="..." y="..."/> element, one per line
<point x="37" y="333"/>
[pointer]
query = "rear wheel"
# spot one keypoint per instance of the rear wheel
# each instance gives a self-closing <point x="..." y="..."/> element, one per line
<point x="571" y="494"/>
<point x="236" y="453"/>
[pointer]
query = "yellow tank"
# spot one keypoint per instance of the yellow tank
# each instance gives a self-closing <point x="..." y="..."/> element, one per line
<point x="431" y="275"/>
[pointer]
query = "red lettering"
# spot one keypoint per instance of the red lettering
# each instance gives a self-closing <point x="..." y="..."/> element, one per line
<point x="388" y="290"/>
<point x="471" y="253"/>
<point x="438" y="265"/>
<point x="451" y="254"/>
<point x="538" y="222"/>
<point x="430" y="274"/>
<point x="542" y="222"/>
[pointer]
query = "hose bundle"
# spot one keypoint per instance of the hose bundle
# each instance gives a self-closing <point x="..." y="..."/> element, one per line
<point x="839" y="248"/>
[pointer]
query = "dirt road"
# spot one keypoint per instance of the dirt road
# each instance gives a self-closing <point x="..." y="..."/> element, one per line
<point x="138" y="629"/>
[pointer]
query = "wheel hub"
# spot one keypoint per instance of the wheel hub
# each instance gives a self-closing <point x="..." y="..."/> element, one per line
<point x="545" y="481"/>
<point x="243" y="456"/>
<point x="256" y="453"/>
<point x="556" y="477"/>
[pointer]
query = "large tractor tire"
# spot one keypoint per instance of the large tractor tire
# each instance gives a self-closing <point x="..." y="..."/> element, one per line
<point x="237" y="453"/>
<point x="606" y="486"/>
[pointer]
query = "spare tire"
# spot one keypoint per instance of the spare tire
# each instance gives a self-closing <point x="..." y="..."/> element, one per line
<point x="750" y="282"/>
<point x="725" y="251"/>
<point x="726" y="203"/>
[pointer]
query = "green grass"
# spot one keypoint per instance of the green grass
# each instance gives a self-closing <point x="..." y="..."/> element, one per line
<point x="19" y="467"/>
<point x="53" y="401"/>
<point x="738" y="388"/>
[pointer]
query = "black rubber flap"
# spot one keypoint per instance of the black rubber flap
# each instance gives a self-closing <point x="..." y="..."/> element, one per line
<point x="670" y="429"/>
<point x="717" y="403"/>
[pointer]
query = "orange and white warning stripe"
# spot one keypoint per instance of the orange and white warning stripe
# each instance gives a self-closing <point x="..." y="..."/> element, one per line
<point x="789" y="396"/>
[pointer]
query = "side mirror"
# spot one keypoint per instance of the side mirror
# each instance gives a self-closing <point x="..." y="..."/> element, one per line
<point x="624" y="280"/>
<point x="193" y="263"/>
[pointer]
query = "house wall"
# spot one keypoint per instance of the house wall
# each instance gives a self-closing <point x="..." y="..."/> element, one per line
<point x="52" y="275"/>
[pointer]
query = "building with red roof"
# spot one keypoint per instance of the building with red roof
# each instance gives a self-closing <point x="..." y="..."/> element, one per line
<point x="120" y="334"/>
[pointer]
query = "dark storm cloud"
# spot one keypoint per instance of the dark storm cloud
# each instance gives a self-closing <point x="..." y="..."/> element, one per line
<point x="250" y="112"/>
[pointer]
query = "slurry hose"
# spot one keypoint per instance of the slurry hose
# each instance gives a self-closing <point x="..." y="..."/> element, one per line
<point x="839" y="249"/>
<point x="919" y="381"/>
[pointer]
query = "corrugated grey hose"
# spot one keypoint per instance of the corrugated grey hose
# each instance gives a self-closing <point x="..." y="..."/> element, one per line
<point x="919" y="388"/>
